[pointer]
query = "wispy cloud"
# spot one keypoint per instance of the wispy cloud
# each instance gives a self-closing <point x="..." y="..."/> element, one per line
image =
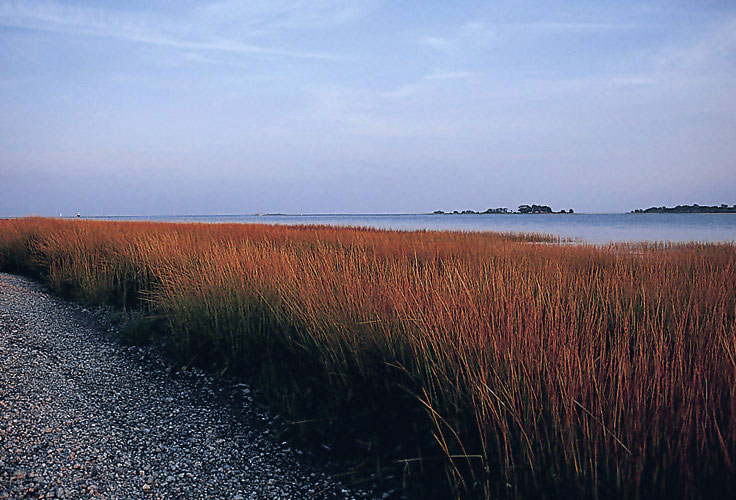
<point x="552" y="27"/>
<point x="187" y="33"/>
<point x="431" y="82"/>
<point x="712" y="47"/>
<point x="269" y="16"/>
<point x="643" y="80"/>
<point x="436" y="42"/>
<point x="450" y="75"/>
<point x="473" y="33"/>
<point x="479" y="33"/>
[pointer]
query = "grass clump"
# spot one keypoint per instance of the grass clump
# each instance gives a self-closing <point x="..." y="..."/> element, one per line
<point x="140" y="329"/>
<point x="514" y="369"/>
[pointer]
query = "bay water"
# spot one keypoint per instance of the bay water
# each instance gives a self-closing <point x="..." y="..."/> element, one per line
<point x="590" y="228"/>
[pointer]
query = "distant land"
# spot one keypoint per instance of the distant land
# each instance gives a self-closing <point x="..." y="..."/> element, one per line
<point x="688" y="209"/>
<point x="522" y="209"/>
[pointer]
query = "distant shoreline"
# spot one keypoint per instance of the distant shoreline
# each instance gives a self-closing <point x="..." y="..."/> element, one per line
<point x="522" y="209"/>
<point x="689" y="209"/>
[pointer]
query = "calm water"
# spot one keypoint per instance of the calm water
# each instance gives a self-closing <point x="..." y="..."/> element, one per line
<point x="594" y="228"/>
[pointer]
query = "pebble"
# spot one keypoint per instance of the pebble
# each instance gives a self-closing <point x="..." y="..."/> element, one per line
<point x="82" y="416"/>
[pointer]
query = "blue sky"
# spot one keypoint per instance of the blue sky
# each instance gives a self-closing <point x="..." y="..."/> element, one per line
<point x="182" y="107"/>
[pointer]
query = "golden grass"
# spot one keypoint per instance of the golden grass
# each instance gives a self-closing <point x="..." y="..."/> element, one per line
<point x="538" y="369"/>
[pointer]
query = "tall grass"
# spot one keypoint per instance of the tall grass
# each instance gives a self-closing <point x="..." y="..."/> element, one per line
<point x="522" y="368"/>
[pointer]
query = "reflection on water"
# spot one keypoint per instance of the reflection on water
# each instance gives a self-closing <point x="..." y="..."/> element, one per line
<point x="594" y="228"/>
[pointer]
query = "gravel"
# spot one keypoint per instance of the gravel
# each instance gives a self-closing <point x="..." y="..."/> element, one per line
<point x="82" y="416"/>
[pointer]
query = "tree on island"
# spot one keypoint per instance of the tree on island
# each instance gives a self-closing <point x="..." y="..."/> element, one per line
<point x="534" y="209"/>
<point x="688" y="209"/>
<point x="523" y="209"/>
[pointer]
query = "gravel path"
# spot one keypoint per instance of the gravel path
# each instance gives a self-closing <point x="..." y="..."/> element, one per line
<point x="82" y="416"/>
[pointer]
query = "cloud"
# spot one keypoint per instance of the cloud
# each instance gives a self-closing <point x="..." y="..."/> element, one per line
<point x="552" y="27"/>
<point x="268" y="16"/>
<point x="433" y="81"/>
<point x="450" y="75"/>
<point x="189" y="33"/>
<point x="437" y="42"/>
<point x="633" y="80"/>
<point x="715" y="46"/>
<point x="470" y="34"/>
<point x="342" y="111"/>
<point x="476" y="34"/>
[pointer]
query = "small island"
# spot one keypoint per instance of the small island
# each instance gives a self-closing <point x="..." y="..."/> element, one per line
<point x="522" y="209"/>
<point x="689" y="209"/>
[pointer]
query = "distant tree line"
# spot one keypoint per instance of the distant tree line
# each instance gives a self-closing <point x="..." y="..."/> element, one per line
<point x="686" y="209"/>
<point x="522" y="209"/>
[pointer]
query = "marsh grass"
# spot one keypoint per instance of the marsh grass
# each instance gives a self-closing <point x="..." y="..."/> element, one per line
<point x="142" y="329"/>
<point x="515" y="367"/>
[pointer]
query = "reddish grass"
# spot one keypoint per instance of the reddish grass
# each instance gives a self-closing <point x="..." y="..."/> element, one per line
<point x="538" y="369"/>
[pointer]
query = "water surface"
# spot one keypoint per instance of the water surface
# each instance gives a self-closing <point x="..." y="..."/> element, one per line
<point x="594" y="228"/>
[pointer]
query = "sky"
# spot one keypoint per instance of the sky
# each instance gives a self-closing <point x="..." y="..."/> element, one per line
<point x="364" y="106"/>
